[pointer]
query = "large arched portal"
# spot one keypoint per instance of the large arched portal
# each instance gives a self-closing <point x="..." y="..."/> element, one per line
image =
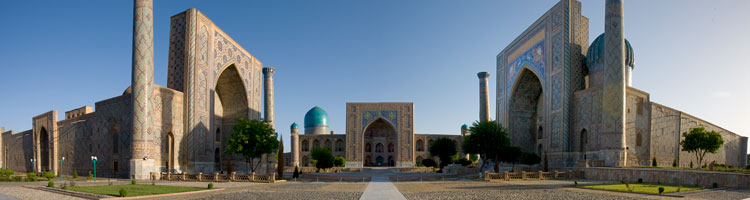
<point x="525" y="112"/>
<point x="230" y="103"/>
<point x="44" y="150"/>
<point x="380" y="132"/>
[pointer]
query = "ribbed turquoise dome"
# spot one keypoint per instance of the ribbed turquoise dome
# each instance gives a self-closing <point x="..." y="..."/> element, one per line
<point x="316" y="117"/>
<point x="294" y="125"/>
<point x="596" y="52"/>
<point x="464" y="127"/>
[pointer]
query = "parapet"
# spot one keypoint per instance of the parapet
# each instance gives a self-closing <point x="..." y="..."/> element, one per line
<point x="78" y="112"/>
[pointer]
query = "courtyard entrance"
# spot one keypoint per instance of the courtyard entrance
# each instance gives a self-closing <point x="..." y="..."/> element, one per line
<point x="229" y="103"/>
<point x="380" y="143"/>
<point x="525" y="112"/>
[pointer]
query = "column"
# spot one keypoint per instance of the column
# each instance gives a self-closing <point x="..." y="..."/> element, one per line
<point x="614" y="79"/>
<point x="484" y="97"/>
<point x="142" y="81"/>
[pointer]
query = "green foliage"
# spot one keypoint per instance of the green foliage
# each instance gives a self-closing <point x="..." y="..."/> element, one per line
<point x="252" y="139"/>
<point x="91" y="176"/>
<point x="50" y="184"/>
<point x="700" y="142"/>
<point x="296" y="172"/>
<point x="75" y="174"/>
<point x="486" y="139"/>
<point x="31" y="176"/>
<point x="715" y="185"/>
<point x="661" y="190"/>
<point x="511" y="154"/>
<point x="48" y="175"/>
<point x="473" y="158"/>
<point x="428" y="162"/>
<point x="691" y="164"/>
<point x="643" y="188"/>
<point x="530" y="158"/>
<point x="640" y="180"/>
<point x="123" y="192"/>
<point x="210" y="185"/>
<point x="674" y="163"/>
<point x="454" y="158"/>
<point x="653" y="163"/>
<point x="132" y="182"/>
<point x="339" y="161"/>
<point x="443" y="148"/>
<point x="323" y="158"/>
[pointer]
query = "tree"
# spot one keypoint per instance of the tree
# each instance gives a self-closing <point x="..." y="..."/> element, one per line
<point x="443" y="148"/>
<point x="252" y="139"/>
<point x="530" y="159"/>
<point x="280" y="159"/>
<point x="296" y="172"/>
<point x="323" y="158"/>
<point x="486" y="139"/>
<point x="699" y="142"/>
<point x="428" y="162"/>
<point x="473" y="158"/>
<point x="339" y="161"/>
<point x="511" y="154"/>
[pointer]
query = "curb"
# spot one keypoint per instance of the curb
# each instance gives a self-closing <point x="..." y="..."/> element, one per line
<point x="107" y="197"/>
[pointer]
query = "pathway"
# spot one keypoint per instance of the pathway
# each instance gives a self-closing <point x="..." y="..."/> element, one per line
<point x="380" y="187"/>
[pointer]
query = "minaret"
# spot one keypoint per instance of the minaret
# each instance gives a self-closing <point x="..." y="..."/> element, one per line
<point x="142" y="81"/>
<point x="484" y="97"/>
<point x="614" y="87"/>
<point x="268" y="96"/>
<point x="295" y="144"/>
<point x="464" y="133"/>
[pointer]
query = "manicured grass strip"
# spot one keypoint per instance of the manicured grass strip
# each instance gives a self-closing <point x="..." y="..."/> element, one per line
<point x="133" y="190"/>
<point x="643" y="188"/>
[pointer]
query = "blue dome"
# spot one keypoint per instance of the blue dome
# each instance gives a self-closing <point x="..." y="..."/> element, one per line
<point x="294" y="125"/>
<point x="464" y="127"/>
<point x="316" y="117"/>
<point x="596" y="52"/>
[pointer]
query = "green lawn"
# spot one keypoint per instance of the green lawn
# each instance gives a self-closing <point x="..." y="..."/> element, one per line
<point x="133" y="190"/>
<point x="643" y="188"/>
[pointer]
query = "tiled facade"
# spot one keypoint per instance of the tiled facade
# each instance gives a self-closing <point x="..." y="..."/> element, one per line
<point x="553" y="102"/>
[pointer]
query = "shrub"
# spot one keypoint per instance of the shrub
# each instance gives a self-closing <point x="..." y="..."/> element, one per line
<point x="50" y="184"/>
<point x="296" y="172"/>
<point x="653" y="162"/>
<point x="210" y="185"/>
<point x="48" y="175"/>
<point x="715" y="185"/>
<point x="9" y="172"/>
<point x="17" y="178"/>
<point x="75" y="174"/>
<point x="691" y="164"/>
<point x="640" y="180"/>
<point x="674" y="163"/>
<point x="679" y="187"/>
<point x="91" y="176"/>
<point x="464" y="162"/>
<point x="661" y="190"/>
<point x="575" y="183"/>
<point x="123" y="192"/>
<point x="31" y="176"/>
<point x="132" y="182"/>
<point x="428" y="162"/>
<point x="339" y="161"/>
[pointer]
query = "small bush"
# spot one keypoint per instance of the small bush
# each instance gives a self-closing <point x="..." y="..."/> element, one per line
<point x="575" y="183"/>
<point x="17" y="178"/>
<point x="296" y="172"/>
<point x="50" y="184"/>
<point x="674" y="163"/>
<point x="75" y="174"/>
<point x="640" y="180"/>
<point x="9" y="172"/>
<point x="132" y="182"/>
<point x="691" y="164"/>
<point x="31" y="176"/>
<point x="661" y="190"/>
<point x="464" y="162"/>
<point x="91" y="176"/>
<point x="48" y="175"/>
<point x="210" y="185"/>
<point x="123" y="192"/>
<point x="679" y="187"/>
<point x="653" y="163"/>
<point x="715" y="185"/>
<point x="428" y="162"/>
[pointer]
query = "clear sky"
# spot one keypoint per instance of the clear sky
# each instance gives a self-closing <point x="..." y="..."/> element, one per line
<point x="689" y="55"/>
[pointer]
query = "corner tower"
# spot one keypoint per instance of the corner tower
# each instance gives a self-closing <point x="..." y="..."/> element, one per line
<point x="142" y="82"/>
<point x="268" y="95"/>
<point x="613" y="94"/>
<point x="484" y="97"/>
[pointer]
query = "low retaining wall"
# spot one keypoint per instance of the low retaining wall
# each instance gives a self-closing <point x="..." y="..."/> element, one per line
<point x="669" y="176"/>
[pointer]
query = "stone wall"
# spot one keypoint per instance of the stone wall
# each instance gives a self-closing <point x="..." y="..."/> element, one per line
<point x="426" y="140"/>
<point x="637" y="127"/>
<point x="307" y="144"/>
<point x="669" y="176"/>
<point x="15" y="156"/>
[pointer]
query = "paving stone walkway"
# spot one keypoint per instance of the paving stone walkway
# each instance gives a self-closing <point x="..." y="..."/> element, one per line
<point x="380" y="187"/>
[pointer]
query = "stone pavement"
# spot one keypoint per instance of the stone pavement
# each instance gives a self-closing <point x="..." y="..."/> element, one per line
<point x="380" y="187"/>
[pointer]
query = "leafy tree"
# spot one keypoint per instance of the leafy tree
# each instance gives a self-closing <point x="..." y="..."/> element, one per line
<point x="296" y="172"/>
<point x="252" y="139"/>
<point x="443" y="148"/>
<point x="511" y="154"/>
<point x="464" y="162"/>
<point x="699" y="142"/>
<point x="473" y="158"/>
<point x="530" y="159"/>
<point x="339" y="161"/>
<point x="48" y="175"/>
<point x="428" y="162"/>
<point x="487" y="139"/>
<point x="323" y="158"/>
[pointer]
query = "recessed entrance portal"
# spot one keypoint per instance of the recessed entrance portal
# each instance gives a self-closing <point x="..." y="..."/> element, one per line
<point x="230" y="103"/>
<point x="44" y="150"/>
<point x="525" y="113"/>
<point x="380" y="132"/>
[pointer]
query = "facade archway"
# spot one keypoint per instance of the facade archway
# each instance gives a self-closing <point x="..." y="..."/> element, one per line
<point x="44" y="159"/>
<point x="525" y="110"/>
<point x="583" y="142"/>
<point x="316" y="144"/>
<point x="339" y="145"/>
<point x="305" y="146"/>
<point x="328" y="145"/>
<point x="170" y="152"/>
<point x="420" y="145"/>
<point x="230" y="102"/>
<point x="379" y="132"/>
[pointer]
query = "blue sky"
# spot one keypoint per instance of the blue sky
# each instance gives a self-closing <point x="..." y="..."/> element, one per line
<point x="689" y="55"/>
